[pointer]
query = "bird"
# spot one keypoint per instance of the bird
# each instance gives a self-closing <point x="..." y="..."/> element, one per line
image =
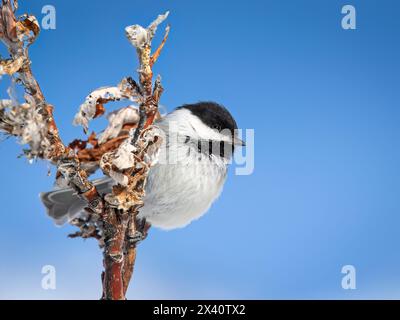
<point x="200" y="139"/>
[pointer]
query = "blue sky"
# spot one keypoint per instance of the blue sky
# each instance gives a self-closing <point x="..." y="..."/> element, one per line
<point x="324" y="104"/>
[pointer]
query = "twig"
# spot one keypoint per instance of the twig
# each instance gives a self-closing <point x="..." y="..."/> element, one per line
<point x="157" y="53"/>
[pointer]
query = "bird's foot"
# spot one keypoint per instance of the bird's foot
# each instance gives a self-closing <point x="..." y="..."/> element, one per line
<point x="136" y="237"/>
<point x="141" y="232"/>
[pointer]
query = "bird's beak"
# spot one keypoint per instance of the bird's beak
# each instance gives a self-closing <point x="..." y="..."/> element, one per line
<point x="238" y="142"/>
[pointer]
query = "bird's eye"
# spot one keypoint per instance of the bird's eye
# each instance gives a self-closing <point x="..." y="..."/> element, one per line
<point x="217" y="127"/>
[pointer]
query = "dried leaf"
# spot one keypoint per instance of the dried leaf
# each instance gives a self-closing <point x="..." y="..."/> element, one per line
<point x="116" y="121"/>
<point x="93" y="139"/>
<point x="100" y="110"/>
<point x="9" y="20"/>
<point x="88" y="109"/>
<point x="139" y="36"/>
<point x="28" y="28"/>
<point x="124" y="156"/>
<point x="5" y="103"/>
<point x="10" y="66"/>
<point x="26" y="123"/>
<point x="93" y="105"/>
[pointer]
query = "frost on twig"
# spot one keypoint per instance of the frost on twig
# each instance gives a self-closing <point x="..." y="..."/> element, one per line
<point x="139" y="36"/>
<point x="94" y="103"/>
<point x="116" y="120"/>
<point x="26" y="123"/>
<point x="127" y="159"/>
<point x="11" y="66"/>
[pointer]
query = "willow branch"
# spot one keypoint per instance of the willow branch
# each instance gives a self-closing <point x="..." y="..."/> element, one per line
<point x="126" y="156"/>
<point x="34" y="123"/>
<point x="157" y="53"/>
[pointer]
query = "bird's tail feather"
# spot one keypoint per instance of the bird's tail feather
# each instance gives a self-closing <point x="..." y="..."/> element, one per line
<point x="63" y="205"/>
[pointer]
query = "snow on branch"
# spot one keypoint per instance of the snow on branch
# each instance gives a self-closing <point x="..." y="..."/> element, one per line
<point x="141" y="37"/>
<point x="93" y="106"/>
<point x="27" y="124"/>
<point x="116" y="121"/>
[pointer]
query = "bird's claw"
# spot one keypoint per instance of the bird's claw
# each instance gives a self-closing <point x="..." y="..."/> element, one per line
<point x="136" y="237"/>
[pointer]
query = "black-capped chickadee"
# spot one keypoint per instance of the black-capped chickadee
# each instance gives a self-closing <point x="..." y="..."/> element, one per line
<point x="188" y="177"/>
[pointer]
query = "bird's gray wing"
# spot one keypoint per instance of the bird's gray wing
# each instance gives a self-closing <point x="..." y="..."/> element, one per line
<point x="63" y="205"/>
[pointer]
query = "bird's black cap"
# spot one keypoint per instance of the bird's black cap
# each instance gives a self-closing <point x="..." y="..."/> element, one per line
<point x="213" y="115"/>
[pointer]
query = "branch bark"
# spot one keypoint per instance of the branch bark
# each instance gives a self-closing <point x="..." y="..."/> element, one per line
<point x="111" y="218"/>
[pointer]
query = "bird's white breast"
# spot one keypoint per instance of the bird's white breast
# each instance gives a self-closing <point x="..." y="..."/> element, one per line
<point x="179" y="193"/>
